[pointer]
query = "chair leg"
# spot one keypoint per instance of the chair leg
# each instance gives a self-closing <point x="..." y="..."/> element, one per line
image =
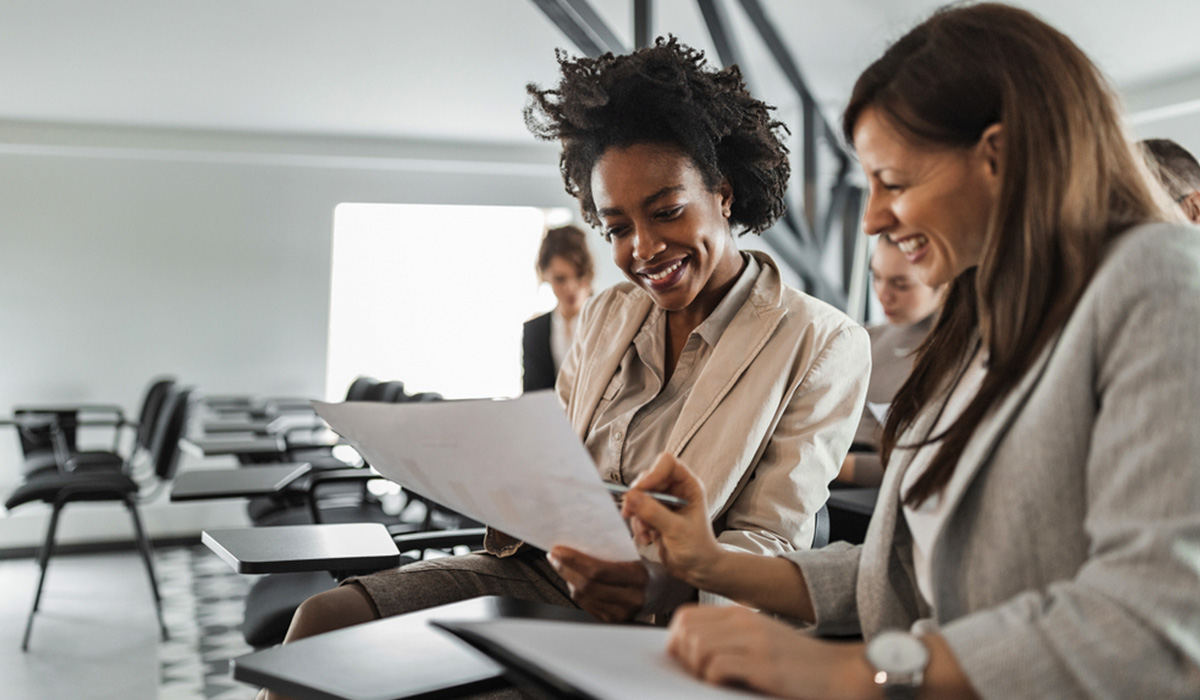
<point x="44" y="553"/>
<point x="147" y="557"/>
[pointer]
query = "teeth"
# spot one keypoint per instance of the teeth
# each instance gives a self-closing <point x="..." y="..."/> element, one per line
<point x="663" y="275"/>
<point x="913" y="244"/>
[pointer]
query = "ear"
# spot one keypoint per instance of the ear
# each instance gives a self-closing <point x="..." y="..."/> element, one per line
<point x="991" y="151"/>
<point x="725" y="190"/>
<point x="1191" y="207"/>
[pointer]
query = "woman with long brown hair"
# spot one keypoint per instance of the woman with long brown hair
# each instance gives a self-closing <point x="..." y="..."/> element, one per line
<point x="1038" y="528"/>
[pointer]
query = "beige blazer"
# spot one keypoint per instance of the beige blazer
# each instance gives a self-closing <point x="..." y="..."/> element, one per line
<point x="1069" y="564"/>
<point x="770" y="417"/>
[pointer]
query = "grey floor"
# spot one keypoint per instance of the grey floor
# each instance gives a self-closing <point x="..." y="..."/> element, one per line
<point x="96" y="635"/>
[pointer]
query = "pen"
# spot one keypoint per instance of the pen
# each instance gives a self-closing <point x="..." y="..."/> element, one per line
<point x="663" y="498"/>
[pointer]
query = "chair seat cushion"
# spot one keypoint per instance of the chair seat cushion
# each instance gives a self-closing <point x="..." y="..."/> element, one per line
<point x="273" y="600"/>
<point x="82" y="461"/>
<point x="357" y="513"/>
<point x="76" y="486"/>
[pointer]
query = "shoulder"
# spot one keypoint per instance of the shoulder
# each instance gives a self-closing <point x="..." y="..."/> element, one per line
<point x="1153" y="255"/>
<point x="1151" y="260"/>
<point x="615" y="305"/>
<point x="538" y="321"/>
<point x="808" y="325"/>
<point x="609" y="300"/>
<point x="807" y="315"/>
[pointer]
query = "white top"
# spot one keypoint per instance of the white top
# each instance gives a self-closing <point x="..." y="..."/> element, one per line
<point x="562" y="334"/>
<point x="926" y="521"/>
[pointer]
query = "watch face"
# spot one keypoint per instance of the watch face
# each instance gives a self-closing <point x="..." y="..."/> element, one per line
<point x="897" y="653"/>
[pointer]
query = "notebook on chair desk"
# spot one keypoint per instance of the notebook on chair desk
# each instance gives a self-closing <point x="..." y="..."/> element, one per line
<point x="592" y="661"/>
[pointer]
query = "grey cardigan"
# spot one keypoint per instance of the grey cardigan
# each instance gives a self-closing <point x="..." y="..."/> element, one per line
<point x="1069" y="566"/>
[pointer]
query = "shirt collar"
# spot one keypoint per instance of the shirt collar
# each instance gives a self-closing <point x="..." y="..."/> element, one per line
<point x="714" y="326"/>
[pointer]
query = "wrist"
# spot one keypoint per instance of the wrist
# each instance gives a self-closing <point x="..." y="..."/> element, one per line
<point x="857" y="674"/>
<point x="712" y="570"/>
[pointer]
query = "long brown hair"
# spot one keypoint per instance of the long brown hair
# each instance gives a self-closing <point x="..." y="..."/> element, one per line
<point x="1071" y="184"/>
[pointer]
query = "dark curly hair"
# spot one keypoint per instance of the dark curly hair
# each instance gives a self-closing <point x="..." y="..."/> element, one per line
<point x="665" y="94"/>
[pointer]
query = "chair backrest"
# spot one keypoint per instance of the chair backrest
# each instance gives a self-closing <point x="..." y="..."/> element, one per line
<point x="393" y="393"/>
<point x="384" y="391"/>
<point x="39" y="437"/>
<point x="821" y="528"/>
<point x="360" y="388"/>
<point x="152" y="405"/>
<point x="172" y="421"/>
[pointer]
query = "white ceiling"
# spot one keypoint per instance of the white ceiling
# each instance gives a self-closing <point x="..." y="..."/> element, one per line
<point x="451" y="69"/>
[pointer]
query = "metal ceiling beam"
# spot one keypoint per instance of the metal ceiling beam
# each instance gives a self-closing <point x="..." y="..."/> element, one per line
<point x="770" y="36"/>
<point x="643" y="23"/>
<point x="718" y="28"/>
<point x="582" y="25"/>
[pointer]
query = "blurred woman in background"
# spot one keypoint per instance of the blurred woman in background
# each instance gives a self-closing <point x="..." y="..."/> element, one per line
<point x="565" y="263"/>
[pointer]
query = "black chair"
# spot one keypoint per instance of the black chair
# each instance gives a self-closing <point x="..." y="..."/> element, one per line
<point x="60" y="487"/>
<point x="356" y="504"/>
<point x="821" y="528"/>
<point x="850" y="511"/>
<point x="360" y="388"/>
<point x="272" y="600"/>
<point x="48" y="434"/>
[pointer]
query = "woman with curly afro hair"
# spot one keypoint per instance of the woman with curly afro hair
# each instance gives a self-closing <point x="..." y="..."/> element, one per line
<point x="703" y="354"/>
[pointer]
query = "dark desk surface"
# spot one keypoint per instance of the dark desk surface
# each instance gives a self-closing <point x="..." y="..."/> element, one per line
<point x="854" y="499"/>
<point x="288" y="548"/>
<point x="214" y="447"/>
<point x="236" y="425"/>
<point x="397" y="657"/>
<point x="244" y="482"/>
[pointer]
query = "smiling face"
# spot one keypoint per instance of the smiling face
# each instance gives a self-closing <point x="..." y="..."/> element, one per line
<point x="934" y="203"/>
<point x="670" y="234"/>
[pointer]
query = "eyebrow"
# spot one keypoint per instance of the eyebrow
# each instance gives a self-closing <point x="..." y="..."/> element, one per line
<point x="671" y="189"/>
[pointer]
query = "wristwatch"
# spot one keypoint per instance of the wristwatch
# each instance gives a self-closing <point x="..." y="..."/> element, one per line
<point x="899" y="660"/>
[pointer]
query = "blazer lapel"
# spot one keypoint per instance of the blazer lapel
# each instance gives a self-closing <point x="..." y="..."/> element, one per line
<point x="754" y="322"/>
<point x="619" y="328"/>
<point x="888" y="595"/>
<point x="993" y="428"/>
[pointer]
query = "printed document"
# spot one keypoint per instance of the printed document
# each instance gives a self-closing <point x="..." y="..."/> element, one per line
<point x="514" y="464"/>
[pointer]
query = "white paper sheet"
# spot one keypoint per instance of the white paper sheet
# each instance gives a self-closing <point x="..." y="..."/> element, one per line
<point x="610" y="662"/>
<point x="879" y="411"/>
<point x="516" y="465"/>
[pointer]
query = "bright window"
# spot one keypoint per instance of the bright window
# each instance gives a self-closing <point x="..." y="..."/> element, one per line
<point x="433" y="296"/>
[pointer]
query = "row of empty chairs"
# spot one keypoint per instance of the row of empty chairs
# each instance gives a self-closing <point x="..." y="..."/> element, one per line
<point x="331" y="492"/>
<point x="57" y="472"/>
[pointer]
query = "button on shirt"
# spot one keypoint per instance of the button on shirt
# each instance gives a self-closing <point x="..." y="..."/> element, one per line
<point x="635" y="417"/>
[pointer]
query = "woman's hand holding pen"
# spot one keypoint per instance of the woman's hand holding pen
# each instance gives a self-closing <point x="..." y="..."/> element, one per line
<point x="683" y="536"/>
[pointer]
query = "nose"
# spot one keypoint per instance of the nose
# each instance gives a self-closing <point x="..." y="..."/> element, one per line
<point x="877" y="215"/>
<point x="646" y="245"/>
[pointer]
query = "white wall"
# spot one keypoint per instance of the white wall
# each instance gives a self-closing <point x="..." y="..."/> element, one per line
<point x="129" y="253"/>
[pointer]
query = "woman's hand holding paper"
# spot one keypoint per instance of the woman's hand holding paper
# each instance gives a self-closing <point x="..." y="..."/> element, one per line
<point x="610" y="591"/>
